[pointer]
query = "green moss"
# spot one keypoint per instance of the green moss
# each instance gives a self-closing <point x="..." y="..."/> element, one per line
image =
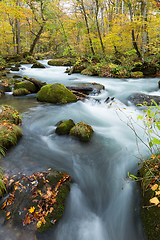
<point x="61" y="62"/>
<point x="137" y="74"/>
<point x="20" y="92"/>
<point x="65" y="127"/>
<point x="150" y="214"/>
<point x="83" y="131"/>
<point x="58" y="208"/>
<point x="55" y="93"/>
<point x="37" y="65"/>
<point x="27" y="85"/>
<point x="9" y="114"/>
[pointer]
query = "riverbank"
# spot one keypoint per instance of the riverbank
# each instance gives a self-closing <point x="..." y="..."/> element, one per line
<point x="149" y="174"/>
<point x="47" y="191"/>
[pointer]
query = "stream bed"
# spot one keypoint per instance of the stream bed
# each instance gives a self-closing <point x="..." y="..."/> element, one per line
<point x="101" y="205"/>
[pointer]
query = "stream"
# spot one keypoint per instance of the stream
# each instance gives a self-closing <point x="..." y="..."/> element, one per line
<point x="97" y="208"/>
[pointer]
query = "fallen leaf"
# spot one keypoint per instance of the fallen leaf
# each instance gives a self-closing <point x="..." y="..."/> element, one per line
<point x="8" y="214"/>
<point x="154" y="187"/>
<point x="154" y="200"/>
<point x="31" y="210"/>
<point x="158" y="193"/>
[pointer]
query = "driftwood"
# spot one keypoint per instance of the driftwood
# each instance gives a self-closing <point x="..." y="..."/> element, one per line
<point x="85" y="90"/>
<point x="79" y="95"/>
<point x="37" y="83"/>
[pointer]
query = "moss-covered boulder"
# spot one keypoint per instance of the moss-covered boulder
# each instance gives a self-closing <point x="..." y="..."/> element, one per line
<point x="55" y="93"/>
<point x="61" y="62"/>
<point x="27" y="85"/>
<point x="9" y="131"/>
<point x="38" y="65"/>
<point x="21" y="92"/>
<point x="15" y="69"/>
<point x="65" y="127"/>
<point x="137" y="74"/>
<point x="83" y="131"/>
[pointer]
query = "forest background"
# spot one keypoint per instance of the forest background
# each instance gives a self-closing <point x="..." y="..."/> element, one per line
<point x="80" y="28"/>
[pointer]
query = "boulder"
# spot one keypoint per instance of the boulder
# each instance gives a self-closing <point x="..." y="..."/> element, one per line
<point x="38" y="65"/>
<point x="83" y="131"/>
<point x="61" y="62"/>
<point x="137" y="74"/>
<point x="27" y="85"/>
<point x="55" y="93"/>
<point x="5" y="88"/>
<point x="139" y="98"/>
<point x="21" y="92"/>
<point x="65" y="127"/>
<point x="15" y="69"/>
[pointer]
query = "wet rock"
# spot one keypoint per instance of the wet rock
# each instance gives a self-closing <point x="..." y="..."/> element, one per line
<point x="38" y="65"/>
<point x="65" y="127"/>
<point x="15" y="69"/>
<point x="5" y="88"/>
<point x="21" y="92"/>
<point x="139" y="98"/>
<point x="27" y="85"/>
<point x="55" y="93"/>
<point x="83" y="131"/>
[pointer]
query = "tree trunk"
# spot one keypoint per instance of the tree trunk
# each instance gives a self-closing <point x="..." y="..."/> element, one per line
<point x="98" y="29"/>
<point x="87" y="26"/>
<point x="36" y="38"/>
<point x="17" y="31"/>
<point x="133" y="35"/>
<point x="145" y="39"/>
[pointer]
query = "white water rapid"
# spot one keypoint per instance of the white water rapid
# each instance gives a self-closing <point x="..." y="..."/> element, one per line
<point x="97" y="208"/>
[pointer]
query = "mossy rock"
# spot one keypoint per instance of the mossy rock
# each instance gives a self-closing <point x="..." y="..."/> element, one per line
<point x="27" y="85"/>
<point x="150" y="215"/>
<point x="21" y="92"/>
<point x="9" y="114"/>
<point x="60" y="62"/>
<point x="9" y="135"/>
<point x="65" y="127"/>
<point x="15" y="69"/>
<point x="38" y="65"/>
<point x="83" y="131"/>
<point x="137" y="74"/>
<point x="5" y="88"/>
<point x="55" y="93"/>
<point x="16" y="76"/>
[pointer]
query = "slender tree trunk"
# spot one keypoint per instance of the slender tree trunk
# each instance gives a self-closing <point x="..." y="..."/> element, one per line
<point x="17" y="27"/>
<point x="87" y="26"/>
<point x="145" y="38"/>
<point x="98" y="29"/>
<point x="17" y="31"/>
<point x="133" y="35"/>
<point x="36" y="39"/>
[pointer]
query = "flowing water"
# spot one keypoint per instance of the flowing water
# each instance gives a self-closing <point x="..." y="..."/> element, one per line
<point x="97" y="208"/>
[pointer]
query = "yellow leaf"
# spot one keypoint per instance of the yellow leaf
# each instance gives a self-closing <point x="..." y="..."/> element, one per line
<point x="31" y="210"/>
<point x="8" y="214"/>
<point x="154" y="200"/>
<point x="154" y="187"/>
<point x="39" y="223"/>
<point x="158" y="193"/>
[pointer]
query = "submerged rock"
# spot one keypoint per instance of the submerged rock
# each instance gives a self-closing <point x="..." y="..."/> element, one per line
<point x="65" y="127"/>
<point x="55" y="93"/>
<point x="83" y="131"/>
